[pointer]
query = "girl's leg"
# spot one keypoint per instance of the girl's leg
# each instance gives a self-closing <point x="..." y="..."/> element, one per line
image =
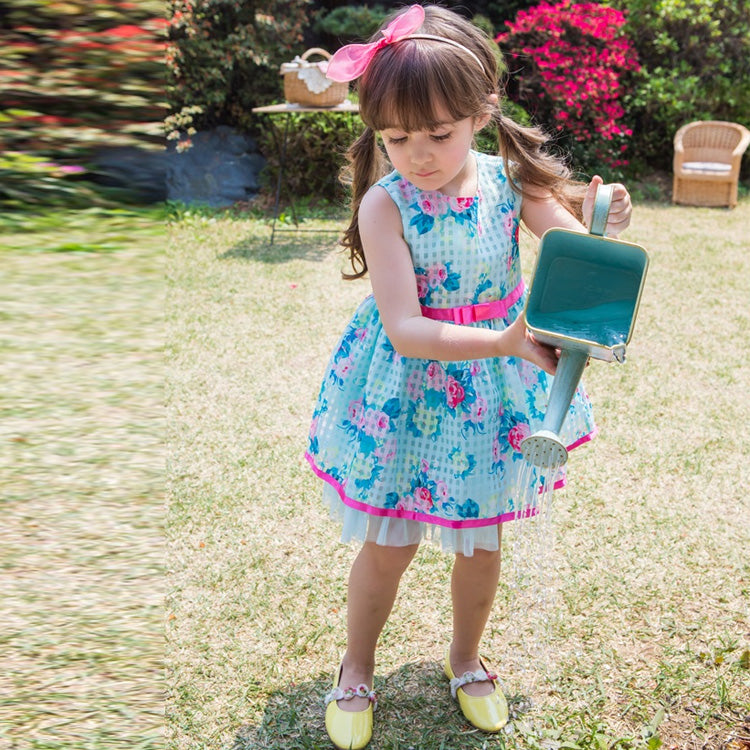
<point x="373" y="584"/>
<point x="473" y="587"/>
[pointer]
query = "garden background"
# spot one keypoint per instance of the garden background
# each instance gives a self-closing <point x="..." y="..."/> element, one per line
<point x="656" y="650"/>
<point x="611" y="82"/>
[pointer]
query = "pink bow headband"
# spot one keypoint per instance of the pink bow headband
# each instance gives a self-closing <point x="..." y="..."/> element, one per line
<point x="351" y="61"/>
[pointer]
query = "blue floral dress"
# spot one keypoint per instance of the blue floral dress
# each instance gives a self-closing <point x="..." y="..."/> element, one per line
<point x="414" y="448"/>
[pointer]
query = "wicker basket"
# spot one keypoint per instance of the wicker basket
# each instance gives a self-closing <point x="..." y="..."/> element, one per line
<point x="305" y="82"/>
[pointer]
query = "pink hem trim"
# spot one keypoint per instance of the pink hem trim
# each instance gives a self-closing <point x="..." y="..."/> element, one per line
<point x="560" y="483"/>
<point x="585" y="439"/>
<point x="412" y="515"/>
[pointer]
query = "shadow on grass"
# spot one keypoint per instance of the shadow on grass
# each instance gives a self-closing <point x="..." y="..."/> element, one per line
<point x="304" y="244"/>
<point x="415" y="710"/>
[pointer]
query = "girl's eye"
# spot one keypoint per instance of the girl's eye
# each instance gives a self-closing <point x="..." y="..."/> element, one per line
<point x="395" y="141"/>
<point x="442" y="137"/>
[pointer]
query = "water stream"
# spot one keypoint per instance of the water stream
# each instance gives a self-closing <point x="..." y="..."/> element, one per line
<point x="531" y="577"/>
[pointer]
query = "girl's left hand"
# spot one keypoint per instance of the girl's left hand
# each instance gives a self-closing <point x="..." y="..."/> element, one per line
<point x="620" y="209"/>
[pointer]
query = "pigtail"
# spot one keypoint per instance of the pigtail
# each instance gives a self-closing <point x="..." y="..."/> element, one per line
<point x="524" y="150"/>
<point x="366" y="165"/>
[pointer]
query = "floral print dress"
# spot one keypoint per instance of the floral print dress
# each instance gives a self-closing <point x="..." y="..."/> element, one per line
<point x="413" y="448"/>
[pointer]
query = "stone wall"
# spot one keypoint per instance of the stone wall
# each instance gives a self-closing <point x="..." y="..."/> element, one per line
<point x="221" y="168"/>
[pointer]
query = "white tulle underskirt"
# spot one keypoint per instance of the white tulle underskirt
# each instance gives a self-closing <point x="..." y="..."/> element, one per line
<point x="359" y="526"/>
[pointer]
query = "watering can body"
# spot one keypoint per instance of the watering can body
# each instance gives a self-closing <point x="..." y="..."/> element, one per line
<point x="583" y="300"/>
<point x="586" y="289"/>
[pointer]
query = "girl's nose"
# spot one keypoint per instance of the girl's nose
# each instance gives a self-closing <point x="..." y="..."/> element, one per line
<point x="421" y="155"/>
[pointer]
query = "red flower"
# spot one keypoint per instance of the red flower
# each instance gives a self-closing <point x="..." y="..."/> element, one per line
<point x="127" y="31"/>
<point x="517" y="434"/>
<point x="423" y="498"/>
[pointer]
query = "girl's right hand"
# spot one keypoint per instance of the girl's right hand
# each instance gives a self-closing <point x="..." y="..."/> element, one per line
<point x="519" y="342"/>
<point x="620" y="210"/>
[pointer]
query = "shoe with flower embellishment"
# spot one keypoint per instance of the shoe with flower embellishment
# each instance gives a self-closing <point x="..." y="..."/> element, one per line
<point x="486" y="712"/>
<point x="349" y="730"/>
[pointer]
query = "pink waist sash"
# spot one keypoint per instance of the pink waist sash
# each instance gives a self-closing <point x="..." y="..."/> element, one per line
<point x="472" y="313"/>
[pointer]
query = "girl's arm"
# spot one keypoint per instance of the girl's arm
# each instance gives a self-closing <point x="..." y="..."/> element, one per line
<point x="544" y="212"/>
<point x="395" y="288"/>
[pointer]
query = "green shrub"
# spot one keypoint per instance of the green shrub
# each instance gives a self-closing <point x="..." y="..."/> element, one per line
<point x="695" y="65"/>
<point x="314" y="155"/>
<point x="497" y="11"/>
<point x="223" y="58"/>
<point x="349" y="23"/>
<point x="486" y="139"/>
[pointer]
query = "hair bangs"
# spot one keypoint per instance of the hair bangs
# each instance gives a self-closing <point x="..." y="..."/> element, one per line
<point x="414" y="86"/>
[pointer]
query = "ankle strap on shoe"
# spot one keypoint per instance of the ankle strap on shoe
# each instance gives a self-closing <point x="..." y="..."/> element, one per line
<point x="361" y="691"/>
<point x="479" y="676"/>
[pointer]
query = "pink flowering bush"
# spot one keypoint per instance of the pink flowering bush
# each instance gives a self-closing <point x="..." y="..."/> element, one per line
<point x="75" y="77"/>
<point x="567" y="66"/>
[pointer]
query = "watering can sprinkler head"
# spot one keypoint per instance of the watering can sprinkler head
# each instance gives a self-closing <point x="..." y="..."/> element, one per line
<point x="545" y="450"/>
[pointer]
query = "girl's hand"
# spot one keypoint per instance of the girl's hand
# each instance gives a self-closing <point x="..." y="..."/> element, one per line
<point x="519" y="342"/>
<point x="619" y="211"/>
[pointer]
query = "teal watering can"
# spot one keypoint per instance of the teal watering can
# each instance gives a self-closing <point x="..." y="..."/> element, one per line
<point x="583" y="300"/>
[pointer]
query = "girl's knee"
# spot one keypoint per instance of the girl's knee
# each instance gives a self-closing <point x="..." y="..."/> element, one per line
<point x="484" y="557"/>
<point x="480" y="559"/>
<point x="391" y="558"/>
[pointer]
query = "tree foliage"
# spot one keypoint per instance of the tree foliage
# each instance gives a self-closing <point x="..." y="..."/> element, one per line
<point x="75" y="74"/>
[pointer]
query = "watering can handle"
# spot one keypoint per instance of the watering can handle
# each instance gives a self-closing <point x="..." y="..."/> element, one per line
<point x="599" y="215"/>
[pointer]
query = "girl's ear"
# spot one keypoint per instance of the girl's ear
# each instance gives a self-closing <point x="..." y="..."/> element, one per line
<point x="480" y="122"/>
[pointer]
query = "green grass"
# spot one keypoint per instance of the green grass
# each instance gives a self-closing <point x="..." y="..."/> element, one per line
<point x="81" y="451"/>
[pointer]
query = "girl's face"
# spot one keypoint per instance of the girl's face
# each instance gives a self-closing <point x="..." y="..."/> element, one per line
<point x="435" y="159"/>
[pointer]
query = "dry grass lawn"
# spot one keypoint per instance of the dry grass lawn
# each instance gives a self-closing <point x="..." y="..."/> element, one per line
<point x="81" y="481"/>
<point x="647" y="642"/>
<point x="645" y="645"/>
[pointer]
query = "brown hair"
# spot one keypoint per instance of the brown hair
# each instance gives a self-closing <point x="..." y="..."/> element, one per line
<point x="405" y="86"/>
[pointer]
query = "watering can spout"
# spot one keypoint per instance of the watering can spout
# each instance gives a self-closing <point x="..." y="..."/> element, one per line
<point x="544" y="448"/>
<point x="618" y="352"/>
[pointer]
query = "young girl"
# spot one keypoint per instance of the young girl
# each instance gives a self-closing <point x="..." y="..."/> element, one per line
<point x="436" y="380"/>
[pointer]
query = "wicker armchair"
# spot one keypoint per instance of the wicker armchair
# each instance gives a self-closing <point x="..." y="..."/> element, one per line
<point x="707" y="158"/>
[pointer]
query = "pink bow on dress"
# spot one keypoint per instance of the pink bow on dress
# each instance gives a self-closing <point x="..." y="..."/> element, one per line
<point x="351" y="61"/>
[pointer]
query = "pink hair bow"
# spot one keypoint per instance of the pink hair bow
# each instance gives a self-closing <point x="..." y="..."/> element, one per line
<point x="351" y="61"/>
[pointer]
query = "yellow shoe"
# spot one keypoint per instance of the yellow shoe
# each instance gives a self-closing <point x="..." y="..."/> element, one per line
<point x="349" y="730"/>
<point x="486" y="712"/>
